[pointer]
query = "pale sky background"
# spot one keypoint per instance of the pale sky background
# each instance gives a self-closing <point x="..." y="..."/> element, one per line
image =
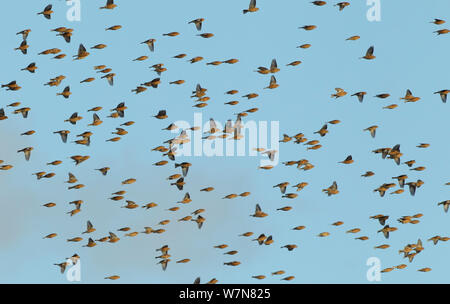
<point x="409" y="56"/>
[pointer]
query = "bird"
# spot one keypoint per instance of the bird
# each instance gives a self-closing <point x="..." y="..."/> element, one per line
<point x="150" y="43"/>
<point x="332" y="190"/>
<point x="369" y="54"/>
<point x="372" y="130"/>
<point x="198" y="23"/>
<point x="251" y="7"/>
<point x="30" y="68"/>
<point x="273" y="83"/>
<point x="47" y="12"/>
<point x="109" y="5"/>
<point x="82" y="53"/>
<point x="342" y="5"/>
<point x="445" y="204"/>
<point x="24" y="33"/>
<point x="65" y="93"/>
<point x="443" y="94"/>
<point x="348" y="160"/>
<point x="258" y="212"/>
<point x="26" y="152"/>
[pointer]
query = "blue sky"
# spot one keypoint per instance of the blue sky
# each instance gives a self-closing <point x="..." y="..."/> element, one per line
<point x="409" y="56"/>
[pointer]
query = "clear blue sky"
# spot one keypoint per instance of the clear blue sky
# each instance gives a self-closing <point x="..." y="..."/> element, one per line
<point x="409" y="56"/>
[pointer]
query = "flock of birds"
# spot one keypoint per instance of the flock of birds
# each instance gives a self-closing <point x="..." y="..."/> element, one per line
<point x="232" y="130"/>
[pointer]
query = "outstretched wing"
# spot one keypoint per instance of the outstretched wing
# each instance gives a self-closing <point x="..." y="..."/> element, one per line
<point x="334" y="186"/>
<point x="258" y="208"/>
<point x="27" y="154"/>
<point x="273" y="65"/>
<point x="273" y="80"/>
<point x="185" y="170"/>
<point x="412" y="189"/>
<point x="81" y="49"/>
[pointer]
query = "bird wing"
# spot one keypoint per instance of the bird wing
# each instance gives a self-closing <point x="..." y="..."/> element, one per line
<point x="273" y="80"/>
<point x="258" y="208"/>
<point x="273" y="64"/>
<point x="27" y="154"/>
<point x="81" y="50"/>
<point x="185" y="170"/>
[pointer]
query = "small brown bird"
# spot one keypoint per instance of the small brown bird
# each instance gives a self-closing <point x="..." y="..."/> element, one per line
<point x="353" y="38"/>
<point x="161" y="114"/>
<point x="342" y="5"/>
<point x="445" y="204"/>
<point x="332" y="190"/>
<point x="109" y="5"/>
<point x="26" y="152"/>
<point x="409" y="97"/>
<point x="65" y="93"/>
<point x="308" y="27"/>
<point x="319" y="3"/>
<point x="258" y="212"/>
<point x="47" y="12"/>
<point x="150" y="43"/>
<point x="207" y="35"/>
<point x="438" y="21"/>
<point x="339" y="93"/>
<point x="304" y="46"/>
<point x="369" y="54"/>
<point x="82" y="53"/>
<point x="24" y="33"/>
<point x="171" y="34"/>
<point x="74" y="118"/>
<point x="443" y="94"/>
<point x="114" y="28"/>
<point x="372" y="130"/>
<point x="290" y="247"/>
<point x="348" y="160"/>
<point x="251" y="7"/>
<point x="198" y="23"/>
<point x="30" y="68"/>
<point x="273" y="83"/>
<point x="442" y="32"/>
<point x="90" y="243"/>
<point x="28" y="133"/>
<point x="323" y="131"/>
